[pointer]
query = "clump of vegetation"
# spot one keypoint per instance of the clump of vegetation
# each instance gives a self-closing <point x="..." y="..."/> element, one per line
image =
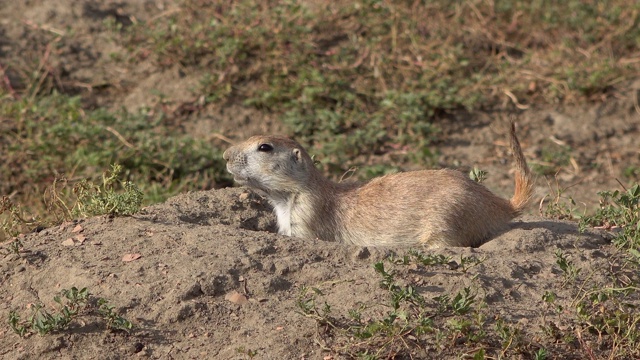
<point x="112" y="196"/>
<point x="72" y="304"/>
<point x="369" y="77"/>
<point x="410" y="324"/>
<point x="104" y="199"/>
<point x="15" y="218"/>
<point x="569" y="269"/>
<point x="478" y="175"/>
<point x="620" y="210"/>
<point x="607" y="309"/>
<point x="599" y="320"/>
<point x="12" y="247"/>
<point x="56" y="142"/>
<point x="560" y="206"/>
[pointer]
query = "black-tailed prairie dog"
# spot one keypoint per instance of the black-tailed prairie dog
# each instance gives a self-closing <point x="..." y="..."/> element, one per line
<point x="433" y="208"/>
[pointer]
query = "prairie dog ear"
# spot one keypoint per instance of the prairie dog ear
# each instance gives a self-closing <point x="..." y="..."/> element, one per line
<point x="297" y="155"/>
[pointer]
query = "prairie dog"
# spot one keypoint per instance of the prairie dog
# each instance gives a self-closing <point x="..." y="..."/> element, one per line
<point x="433" y="208"/>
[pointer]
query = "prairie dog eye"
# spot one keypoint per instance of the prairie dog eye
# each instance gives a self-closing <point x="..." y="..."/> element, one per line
<point x="265" y="147"/>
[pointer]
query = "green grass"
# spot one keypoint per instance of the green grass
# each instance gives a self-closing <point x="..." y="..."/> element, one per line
<point x="53" y="140"/>
<point x="620" y="210"/>
<point x="407" y="325"/>
<point x="595" y="319"/>
<point x="352" y="78"/>
<point x="72" y="304"/>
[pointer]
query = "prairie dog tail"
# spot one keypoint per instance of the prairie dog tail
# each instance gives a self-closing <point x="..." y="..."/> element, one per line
<point x="524" y="180"/>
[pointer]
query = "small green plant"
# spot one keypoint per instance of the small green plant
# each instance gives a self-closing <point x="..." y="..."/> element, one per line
<point x="460" y="304"/>
<point x="429" y="259"/>
<point x="559" y="206"/>
<point x="16" y="325"/>
<point x="467" y="262"/>
<point x="549" y="297"/>
<point x="13" y="247"/>
<point x="510" y="335"/>
<point x="113" y="319"/>
<point x="398" y="293"/>
<point x="552" y="158"/>
<point x="632" y="172"/>
<point x="105" y="199"/>
<point x="462" y="301"/>
<point x="245" y="351"/>
<point x="540" y="354"/>
<point x="13" y="219"/>
<point x="567" y="266"/>
<point x="612" y="314"/>
<point x="306" y="302"/>
<point x="619" y="209"/>
<point x="72" y="303"/>
<point x="478" y="175"/>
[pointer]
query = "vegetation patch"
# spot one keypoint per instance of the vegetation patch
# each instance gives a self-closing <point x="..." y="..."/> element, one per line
<point x="55" y="142"/>
<point x="71" y="304"/>
<point x="365" y="77"/>
<point x="598" y="320"/>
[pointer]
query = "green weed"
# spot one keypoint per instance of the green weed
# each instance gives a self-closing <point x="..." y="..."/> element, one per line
<point x="468" y="262"/>
<point x="620" y="209"/>
<point x="429" y="259"/>
<point x="569" y="269"/>
<point x="604" y="311"/>
<point x="72" y="303"/>
<point x="541" y="354"/>
<point x="510" y="336"/>
<point x="611" y="313"/>
<point x="244" y="351"/>
<point x="460" y="304"/>
<point x="372" y="77"/>
<point x="102" y="199"/>
<point x="13" y="218"/>
<point x="478" y="175"/>
<point x="13" y="247"/>
<point x="560" y="207"/>
<point x="408" y="323"/>
<point x="113" y="320"/>
<point x="54" y="141"/>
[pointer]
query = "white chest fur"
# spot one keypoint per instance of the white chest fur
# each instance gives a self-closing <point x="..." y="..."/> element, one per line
<point x="282" y="209"/>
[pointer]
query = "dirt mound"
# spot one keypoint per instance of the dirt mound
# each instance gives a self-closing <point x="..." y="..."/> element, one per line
<point x="211" y="281"/>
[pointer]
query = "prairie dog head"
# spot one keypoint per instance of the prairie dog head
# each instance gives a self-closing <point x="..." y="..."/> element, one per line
<point x="269" y="163"/>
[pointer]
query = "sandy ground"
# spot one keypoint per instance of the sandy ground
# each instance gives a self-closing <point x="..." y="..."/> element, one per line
<point x="199" y="248"/>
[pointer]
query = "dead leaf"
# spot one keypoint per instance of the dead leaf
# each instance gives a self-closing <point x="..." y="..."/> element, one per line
<point x="131" y="257"/>
<point x="68" y="242"/>
<point x="77" y="229"/>
<point x="236" y="298"/>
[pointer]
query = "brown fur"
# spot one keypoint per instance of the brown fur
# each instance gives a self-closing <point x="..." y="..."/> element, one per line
<point x="429" y="207"/>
